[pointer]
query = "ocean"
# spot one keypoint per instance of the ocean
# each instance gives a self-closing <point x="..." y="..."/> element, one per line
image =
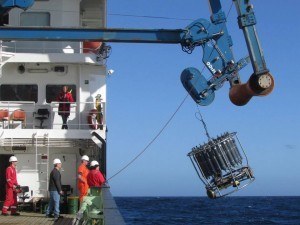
<point x="202" y="210"/>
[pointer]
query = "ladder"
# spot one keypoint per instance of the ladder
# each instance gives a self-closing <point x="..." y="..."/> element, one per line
<point x="42" y="161"/>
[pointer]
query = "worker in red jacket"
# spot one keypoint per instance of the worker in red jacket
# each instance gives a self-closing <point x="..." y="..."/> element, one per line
<point x="65" y="97"/>
<point x="95" y="177"/>
<point x="11" y="188"/>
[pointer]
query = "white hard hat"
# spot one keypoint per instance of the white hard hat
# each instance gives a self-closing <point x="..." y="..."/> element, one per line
<point x="56" y="161"/>
<point x="13" y="159"/>
<point x="94" y="163"/>
<point x="85" y="157"/>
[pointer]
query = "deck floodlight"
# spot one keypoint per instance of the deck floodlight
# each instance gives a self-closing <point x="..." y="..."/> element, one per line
<point x="219" y="165"/>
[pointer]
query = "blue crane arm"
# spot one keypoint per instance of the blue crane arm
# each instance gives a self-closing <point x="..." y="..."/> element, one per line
<point x="261" y="82"/>
<point x="212" y="36"/>
<point x="247" y="21"/>
<point x="99" y="34"/>
<point x="218" y="58"/>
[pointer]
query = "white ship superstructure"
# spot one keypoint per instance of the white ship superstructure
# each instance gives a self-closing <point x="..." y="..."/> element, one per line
<point x="32" y="75"/>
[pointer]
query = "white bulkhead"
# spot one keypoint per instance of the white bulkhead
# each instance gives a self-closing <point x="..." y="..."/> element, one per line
<point x="32" y="75"/>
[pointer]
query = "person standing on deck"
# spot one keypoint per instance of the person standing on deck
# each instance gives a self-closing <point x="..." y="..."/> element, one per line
<point x="83" y="171"/>
<point x="95" y="178"/>
<point x="11" y="188"/>
<point x="65" y="98"/>
<point x="55" y="190"/>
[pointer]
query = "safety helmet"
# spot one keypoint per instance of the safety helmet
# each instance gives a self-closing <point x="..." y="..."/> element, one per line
<point x="13" y="159"/>
<point x="56" y="161"/>
<point x="94" y="163"/>
<point x="85" y="157"/>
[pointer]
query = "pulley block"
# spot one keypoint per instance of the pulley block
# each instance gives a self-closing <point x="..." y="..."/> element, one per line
<point x="257" y="85"/>
<point x="197" y="86"/>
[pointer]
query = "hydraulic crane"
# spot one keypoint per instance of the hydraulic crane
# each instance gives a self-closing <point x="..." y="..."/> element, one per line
<point x="212" y="35"/>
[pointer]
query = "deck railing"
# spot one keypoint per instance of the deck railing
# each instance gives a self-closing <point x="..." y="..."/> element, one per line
<point x="43" y="47"/>
<point x="25" y="115"/>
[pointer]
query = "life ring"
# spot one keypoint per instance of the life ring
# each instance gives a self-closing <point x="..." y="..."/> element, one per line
<point x="93" y="122"/>
<point x="91" y="46"/>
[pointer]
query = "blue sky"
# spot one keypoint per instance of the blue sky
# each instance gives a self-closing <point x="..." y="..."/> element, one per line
<point x="145" y="90"/>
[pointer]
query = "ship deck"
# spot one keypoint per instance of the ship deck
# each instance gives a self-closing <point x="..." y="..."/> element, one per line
<point x="35" y="219"/>
<point x="111" y="214"/>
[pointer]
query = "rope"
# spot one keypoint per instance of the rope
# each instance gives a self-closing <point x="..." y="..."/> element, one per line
<point x="148" y="17"/>
<point x="160" y="17"/>
<point x="167" y="123"/>
<point x="116" y="14"/>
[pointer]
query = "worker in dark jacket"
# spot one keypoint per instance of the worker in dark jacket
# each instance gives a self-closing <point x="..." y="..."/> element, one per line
<point x="55" y="190"/>
<point x="65" y="97"/>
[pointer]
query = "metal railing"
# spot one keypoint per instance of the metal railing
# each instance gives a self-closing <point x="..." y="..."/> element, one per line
<point x="83" y="115"/>
<point x="20" y="47"/>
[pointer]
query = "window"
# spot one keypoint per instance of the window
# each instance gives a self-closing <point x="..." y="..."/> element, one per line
<point x="52" y="91"/>
<point x="18" y="92"/>
<point x="40" y="19"/>
<point x="4" y="20"/>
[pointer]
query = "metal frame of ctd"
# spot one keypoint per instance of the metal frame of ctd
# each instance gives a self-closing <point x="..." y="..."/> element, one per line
<point x="220" y="167"/>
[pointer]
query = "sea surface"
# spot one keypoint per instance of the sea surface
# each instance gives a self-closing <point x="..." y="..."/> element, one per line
<point x="202" y="210"/>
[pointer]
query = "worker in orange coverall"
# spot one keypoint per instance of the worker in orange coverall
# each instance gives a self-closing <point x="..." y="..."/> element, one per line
<point x="11" y="188"/>
<point x="95" y="177"/>
<point x="83" y="171"/>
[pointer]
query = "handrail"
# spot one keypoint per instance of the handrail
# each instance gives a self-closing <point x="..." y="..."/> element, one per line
<point x="12" y="106"/>
<point x="13" y="48"/>
<point x="79" y="112"/>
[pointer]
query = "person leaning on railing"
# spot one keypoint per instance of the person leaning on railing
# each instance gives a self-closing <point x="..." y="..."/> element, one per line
<point x="65" y="98"/>
<point x="95" y="178"/>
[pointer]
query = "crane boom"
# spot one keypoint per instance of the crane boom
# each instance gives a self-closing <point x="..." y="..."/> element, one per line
<point x="86" y="34"/>
<point x="212" y="36"/>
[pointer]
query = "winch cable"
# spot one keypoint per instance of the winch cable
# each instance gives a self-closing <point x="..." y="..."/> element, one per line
<point x="167" y="123"/>
<point x="153" y="139"/>
<point x="203" y="122"/>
